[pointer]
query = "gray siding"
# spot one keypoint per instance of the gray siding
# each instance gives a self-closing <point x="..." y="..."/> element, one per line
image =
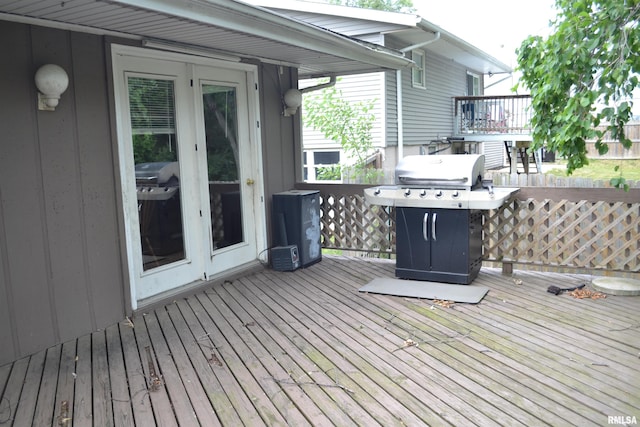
<point x="59" y="251"/>
<point x="494" y="154"/>
<point x="281" y="153"/>
<point x="427" y="112"/>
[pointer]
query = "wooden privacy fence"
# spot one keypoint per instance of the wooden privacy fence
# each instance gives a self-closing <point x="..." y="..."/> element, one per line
<point x="587" y="229"/>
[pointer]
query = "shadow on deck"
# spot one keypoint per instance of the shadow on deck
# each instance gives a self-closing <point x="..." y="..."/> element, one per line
<point x="306" y="348"/>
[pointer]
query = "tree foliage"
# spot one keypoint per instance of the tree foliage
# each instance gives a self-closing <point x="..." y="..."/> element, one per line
<point x="582" y="76"/>
<point x="404" y="6"/>
<point x="346" y="123"/>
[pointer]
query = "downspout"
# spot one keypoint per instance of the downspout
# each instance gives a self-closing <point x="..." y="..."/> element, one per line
<point x="331" y="82"/>
<point x="300" y="142"/>
<point x="399" y="95"/>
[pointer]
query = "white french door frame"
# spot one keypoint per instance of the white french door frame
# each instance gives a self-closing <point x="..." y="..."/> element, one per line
<point x="199" y="262"/>
<point x="250" y="177"/>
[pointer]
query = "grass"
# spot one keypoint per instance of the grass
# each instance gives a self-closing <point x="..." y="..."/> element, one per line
<point x="601" y="169"/>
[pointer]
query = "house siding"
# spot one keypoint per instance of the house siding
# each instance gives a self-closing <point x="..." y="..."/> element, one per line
<point x="281" y="136"/>
<point x="59" y="251"/>
<point x="494" y="154"/>
<point x="62" y="253"/>
<point x="428" y="112"/>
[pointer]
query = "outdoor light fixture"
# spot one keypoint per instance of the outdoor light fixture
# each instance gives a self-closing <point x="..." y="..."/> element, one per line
<point x="51" y="81"/>
<point x="292" y="101"/>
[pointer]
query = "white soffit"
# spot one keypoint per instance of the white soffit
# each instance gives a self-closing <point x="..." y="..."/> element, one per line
<point x="408" y="29"/>
<point x="225" y="26"/>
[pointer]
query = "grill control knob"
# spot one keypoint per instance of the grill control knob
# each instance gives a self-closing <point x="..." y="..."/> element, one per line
<point x="407" y="192"/>
<point x="439" y="194"/>
<point x="423" y="193"/>
<point x="455" y="194"/>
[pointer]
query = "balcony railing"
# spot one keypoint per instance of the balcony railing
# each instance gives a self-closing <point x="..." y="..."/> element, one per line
<point x="506" y="114"/>
<point x="581" y="229"/>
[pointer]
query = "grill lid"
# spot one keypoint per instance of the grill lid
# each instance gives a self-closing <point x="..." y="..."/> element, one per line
<point x="441" y="182"/>
<point x="461" y="171"/>
<point x="157" y="173"/>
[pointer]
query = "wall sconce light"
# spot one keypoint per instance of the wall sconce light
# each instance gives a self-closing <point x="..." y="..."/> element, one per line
<point x="51" y="81"/>
<point x="292" y="101"/>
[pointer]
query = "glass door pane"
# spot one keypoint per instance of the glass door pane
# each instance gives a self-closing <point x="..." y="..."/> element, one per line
<point x="225" y="192"/>
<point x="157" y="170"/>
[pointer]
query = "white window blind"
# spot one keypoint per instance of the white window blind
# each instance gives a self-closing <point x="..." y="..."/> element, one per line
<point x="152" y="106"/>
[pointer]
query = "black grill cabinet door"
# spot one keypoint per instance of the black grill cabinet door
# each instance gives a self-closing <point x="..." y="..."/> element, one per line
<point x="412" y="245"/>
<point x="439" y="245"/>
<point x="449" y="236"/>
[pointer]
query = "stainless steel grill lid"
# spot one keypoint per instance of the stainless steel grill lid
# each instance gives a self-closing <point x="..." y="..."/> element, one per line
<point x="157" y="173"/>
<point x="462" y="171"/>
<point x="443" y="181"/>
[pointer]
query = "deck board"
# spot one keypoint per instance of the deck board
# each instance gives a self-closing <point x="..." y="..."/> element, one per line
<point x="329" y="355"/>
<point x="163" y="413"/>
<point x="121" y="402"/>
<point x="168" y="372"/>
<point x="101" y="380"/>
<point x="137" y="386"/>
<point x="45" y="405"/>
<point x="63" y="409"/>
<point x="82" y="413"/>
<point x="237" y="357"/>
<point x="319" y="407"/>
<point x="363" y="354"/>
<point x="306" y="348"/>
<point x="228" y="399"/>
<point x="26" y="404"/>
<point x="452" y="375"/>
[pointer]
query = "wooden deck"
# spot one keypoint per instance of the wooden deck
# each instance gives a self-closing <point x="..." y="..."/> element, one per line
<point x="306" y="348"/>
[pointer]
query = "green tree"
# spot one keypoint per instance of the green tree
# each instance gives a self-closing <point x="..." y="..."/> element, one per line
<point x="404" y="6"/>
<point x="591" y="59"/>
<point x="346" y="123"/>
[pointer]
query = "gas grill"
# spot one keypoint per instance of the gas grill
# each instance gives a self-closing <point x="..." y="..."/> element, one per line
<point x="438" y="202"/>
<point x="445" y="181"/>
<point x="158" y="192"/>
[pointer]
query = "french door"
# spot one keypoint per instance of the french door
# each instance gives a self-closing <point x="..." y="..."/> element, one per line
<point x="190" y="169"/>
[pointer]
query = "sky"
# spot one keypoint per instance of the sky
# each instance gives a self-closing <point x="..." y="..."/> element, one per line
<point x="495" y="26"/>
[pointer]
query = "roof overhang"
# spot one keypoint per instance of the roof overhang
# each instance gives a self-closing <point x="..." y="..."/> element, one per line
<point x="452" y="47"/>
<point x="221" y="26"/>
<point x="407" y="30"/>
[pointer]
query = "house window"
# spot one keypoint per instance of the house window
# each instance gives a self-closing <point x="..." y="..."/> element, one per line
<point x="418" y="75"/>
<point x="473" y="84"/>
<point x="322" y="166"/>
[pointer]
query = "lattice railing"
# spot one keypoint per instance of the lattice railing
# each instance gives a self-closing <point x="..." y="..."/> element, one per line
<point x="570" y="231"/>
<point x="349" y="222"/>
<point x="582" y="234"/>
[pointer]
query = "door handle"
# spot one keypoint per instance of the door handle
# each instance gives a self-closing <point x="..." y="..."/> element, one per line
<point x="250" y="181"/>
<point x="433" y="226"/>
<point x="425" y="226"/>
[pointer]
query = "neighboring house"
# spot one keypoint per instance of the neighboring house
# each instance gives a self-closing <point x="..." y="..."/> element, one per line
<point x="154" y="173"/>
<point x="415" y="106"/>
